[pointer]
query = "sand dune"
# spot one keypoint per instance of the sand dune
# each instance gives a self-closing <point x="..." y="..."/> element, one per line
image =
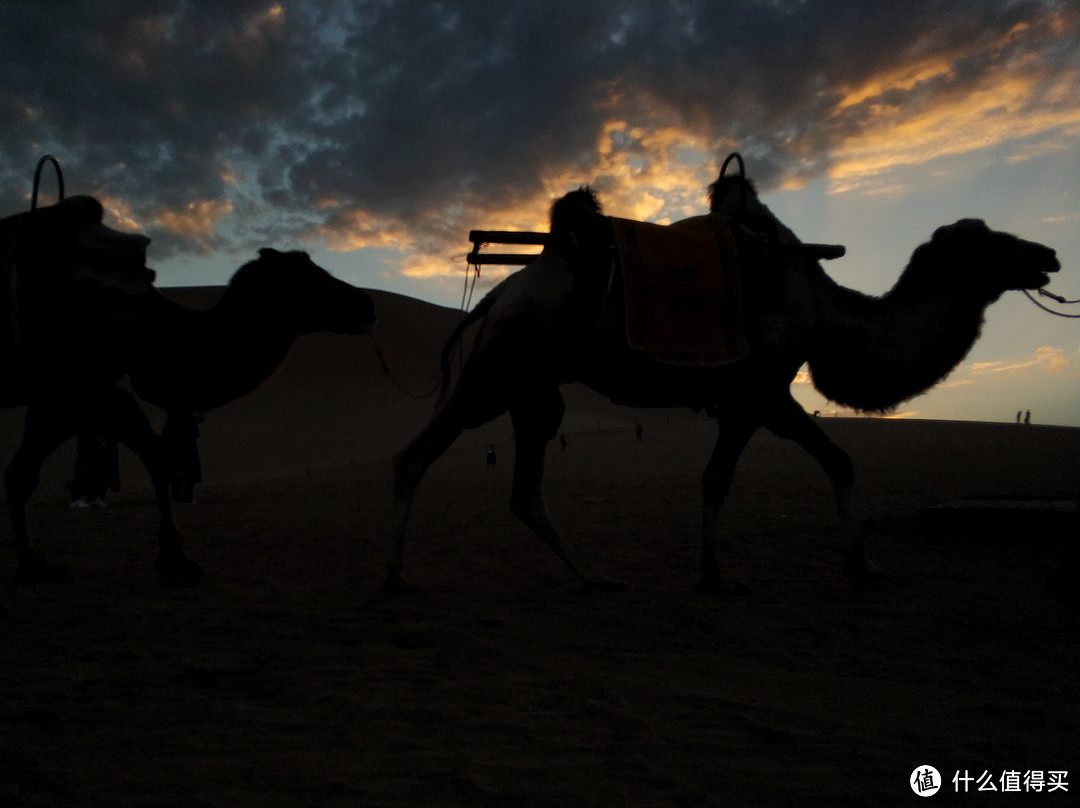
<point x="284" y="680"/>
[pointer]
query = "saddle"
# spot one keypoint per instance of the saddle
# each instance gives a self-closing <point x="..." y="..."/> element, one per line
<point x="61" y="249"/>
<point x="683" y="292"/>
<point x="68" y="242"/>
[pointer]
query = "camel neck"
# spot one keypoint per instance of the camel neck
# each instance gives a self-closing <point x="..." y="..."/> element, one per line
<point x="250" y="347"/>
<point x="873" y="353"/>
<point x="211" y="357"/>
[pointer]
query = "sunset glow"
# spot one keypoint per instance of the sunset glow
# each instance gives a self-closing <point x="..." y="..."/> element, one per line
<point x="376" y="135"/>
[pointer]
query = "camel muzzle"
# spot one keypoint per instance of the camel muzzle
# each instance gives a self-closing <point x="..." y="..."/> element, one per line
<point x="1051" y="265"/>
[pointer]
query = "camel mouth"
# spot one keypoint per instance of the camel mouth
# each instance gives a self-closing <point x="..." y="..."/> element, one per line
<point x="1046" y="265"/>
<point x="1045" y="274"/>
<point x="1037" y="280"/>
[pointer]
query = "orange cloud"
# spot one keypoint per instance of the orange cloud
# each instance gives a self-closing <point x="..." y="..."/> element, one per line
<point x="905" y="77"/>
<point x="357" y="229"/>
<point x="1050" y="359"/>
<point x="120" y="213"/>
<point x="1002" y="109"/>
<point x="914" y="113"/>
<point x="196" y="219"/>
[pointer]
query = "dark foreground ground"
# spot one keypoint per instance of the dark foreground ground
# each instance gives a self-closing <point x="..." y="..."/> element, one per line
<point x="284" y="680"/>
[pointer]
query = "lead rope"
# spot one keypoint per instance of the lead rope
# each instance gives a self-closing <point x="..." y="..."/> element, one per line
<point x="389" y="374"/>
<point x="1052" y="296"/>
<point x="472" y="275"/>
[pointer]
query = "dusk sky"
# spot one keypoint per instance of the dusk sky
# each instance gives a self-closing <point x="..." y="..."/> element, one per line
<point x="376" y="135"/>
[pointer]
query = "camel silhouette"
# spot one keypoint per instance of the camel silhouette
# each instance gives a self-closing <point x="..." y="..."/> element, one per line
<point x="540" y="330"/>
<point x="77" y="319"/>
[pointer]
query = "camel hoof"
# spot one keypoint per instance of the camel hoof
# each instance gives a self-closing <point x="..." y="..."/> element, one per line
<point x="182" y="569"/>
<point x="42" y="573"/>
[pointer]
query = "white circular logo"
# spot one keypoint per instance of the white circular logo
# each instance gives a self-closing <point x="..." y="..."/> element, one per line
<point x="925" y="781"/>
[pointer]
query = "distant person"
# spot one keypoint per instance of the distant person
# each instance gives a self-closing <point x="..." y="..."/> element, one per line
<point x="639" y="431"/>
<point x="97" y="470"/>
<point x="1027" y="418"/>
<point x="1019" y="414"/>
<point x="490" y="458"/>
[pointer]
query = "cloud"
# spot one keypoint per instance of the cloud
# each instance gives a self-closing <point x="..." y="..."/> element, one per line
<point x="1049" y="359"/>
<point x="402" y="125"/>
<point x="1062" y="219"/>
<point x="196" y="220"/>
<point x="900" y="415"/>
<point x="973" y="95"/>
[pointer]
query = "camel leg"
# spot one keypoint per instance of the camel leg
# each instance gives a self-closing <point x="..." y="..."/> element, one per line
<point x="536" y="419"/>
<point x="465" y="408"/>
<point x="44" y="432"/>
<point x="735" y="433"/>
<point x="788" y="420"/>
<point x="128" y="423"/>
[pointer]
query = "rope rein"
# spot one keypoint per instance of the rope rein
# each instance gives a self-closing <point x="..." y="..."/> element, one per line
<point x="389" y="374"/>
<point x="472" y="275"/>
<point x="1057" y="298"/>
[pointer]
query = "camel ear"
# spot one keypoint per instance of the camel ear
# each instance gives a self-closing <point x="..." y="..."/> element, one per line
<point x="268" y="252"/>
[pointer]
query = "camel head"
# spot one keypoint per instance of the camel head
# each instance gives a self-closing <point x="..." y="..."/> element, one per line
<point x="970" y="255"/>
<point x="291" y="289"/>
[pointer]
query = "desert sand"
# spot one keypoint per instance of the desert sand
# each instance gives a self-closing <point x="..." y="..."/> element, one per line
<point x="284" y="679"/>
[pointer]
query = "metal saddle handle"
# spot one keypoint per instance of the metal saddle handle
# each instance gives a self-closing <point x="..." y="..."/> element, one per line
<point x="48" y="158"/>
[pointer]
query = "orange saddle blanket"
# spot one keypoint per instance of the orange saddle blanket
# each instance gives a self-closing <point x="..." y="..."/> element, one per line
<point x="683" y="296"/>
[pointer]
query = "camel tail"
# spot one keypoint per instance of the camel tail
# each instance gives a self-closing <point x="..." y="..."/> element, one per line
<point x="453" y="342"/>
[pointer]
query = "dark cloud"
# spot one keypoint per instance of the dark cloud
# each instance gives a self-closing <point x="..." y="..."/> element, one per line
<point x="403" y="110"/>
